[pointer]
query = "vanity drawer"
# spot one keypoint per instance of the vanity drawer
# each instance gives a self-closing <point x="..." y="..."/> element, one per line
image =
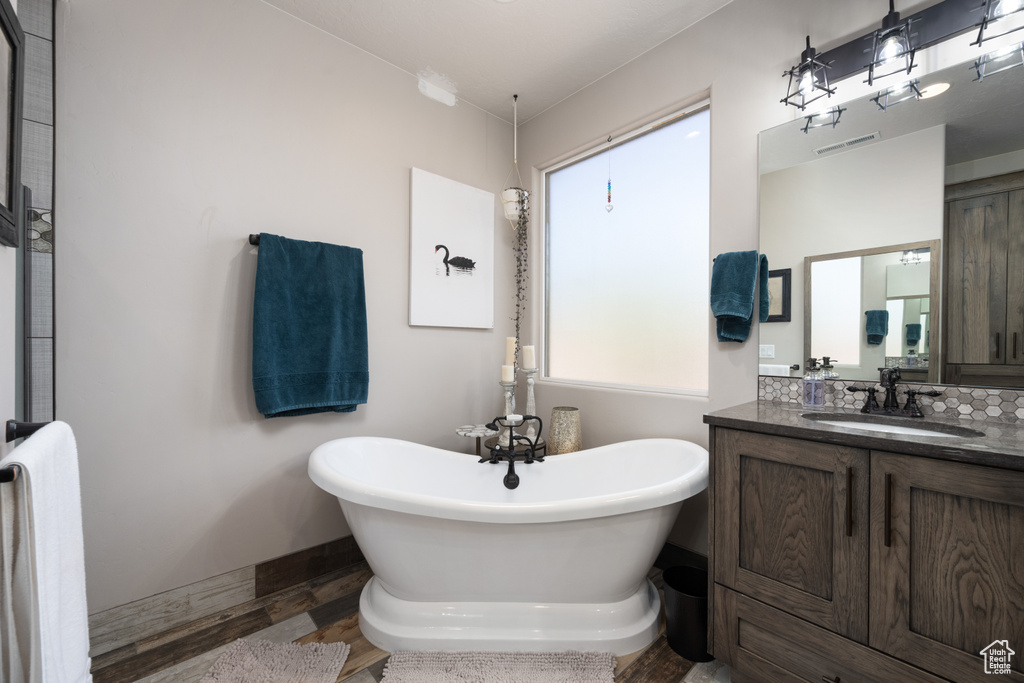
<point x="762" y="644"/>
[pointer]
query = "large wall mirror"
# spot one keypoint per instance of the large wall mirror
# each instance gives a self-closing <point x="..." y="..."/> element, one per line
<point x="859" y="213"/>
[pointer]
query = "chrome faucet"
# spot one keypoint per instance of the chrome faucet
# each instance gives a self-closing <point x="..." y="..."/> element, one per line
<point x="519" y="447"/>
<point x="889" y="379"/>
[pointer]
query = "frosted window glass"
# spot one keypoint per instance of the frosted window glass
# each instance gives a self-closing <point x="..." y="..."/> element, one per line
<point x="627" y="290"/>
<point x="836" y="310"/>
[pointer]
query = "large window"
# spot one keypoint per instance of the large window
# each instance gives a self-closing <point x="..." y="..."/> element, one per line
<point x="627" y="289"/>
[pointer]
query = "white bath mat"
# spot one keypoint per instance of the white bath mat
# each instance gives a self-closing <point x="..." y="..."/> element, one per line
<point x="500" y="667"/>
<point x="265" y="662"/>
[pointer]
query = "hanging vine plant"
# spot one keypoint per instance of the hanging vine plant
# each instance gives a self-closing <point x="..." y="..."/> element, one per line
<point x="519" y="249"/>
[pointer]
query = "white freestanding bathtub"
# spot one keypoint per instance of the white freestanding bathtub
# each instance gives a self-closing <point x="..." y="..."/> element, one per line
<point x="462" y="563"/>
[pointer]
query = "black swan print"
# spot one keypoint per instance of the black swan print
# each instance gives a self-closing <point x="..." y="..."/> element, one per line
<point x="460" y="263"/>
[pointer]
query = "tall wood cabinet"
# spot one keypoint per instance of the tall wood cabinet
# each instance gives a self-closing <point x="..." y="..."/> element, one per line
<point x="845" y="564"/>
<point x="984" y="282"/>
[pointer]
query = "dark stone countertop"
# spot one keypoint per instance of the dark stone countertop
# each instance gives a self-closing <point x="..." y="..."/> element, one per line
<point x="992" y="443"/>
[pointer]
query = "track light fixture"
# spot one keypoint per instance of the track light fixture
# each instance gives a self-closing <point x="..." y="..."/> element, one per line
<point x="897" y="93"/>
<point x="1000" y="60"/>
<point x="828" y="117"/>
<point x="891" y="48"/>
<point x="808" y="80"/>
<point x="999" y="11"/>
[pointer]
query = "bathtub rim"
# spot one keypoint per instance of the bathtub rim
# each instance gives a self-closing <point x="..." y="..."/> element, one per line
<point x="680" y="488"/>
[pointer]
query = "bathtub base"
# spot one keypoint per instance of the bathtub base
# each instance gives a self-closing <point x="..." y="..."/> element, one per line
<point x="393" y="624"/>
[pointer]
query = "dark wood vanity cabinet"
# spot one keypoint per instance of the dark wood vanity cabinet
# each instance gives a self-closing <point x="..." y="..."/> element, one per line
<point x="833" y="563"/>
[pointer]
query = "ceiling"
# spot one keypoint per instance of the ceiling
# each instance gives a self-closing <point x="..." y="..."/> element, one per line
<point x="484" y="51"/>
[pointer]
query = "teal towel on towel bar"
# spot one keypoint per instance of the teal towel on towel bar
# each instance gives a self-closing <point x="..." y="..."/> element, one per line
<point x="876" y="326"/>
<point x="734" y="277"/>
<point x="309" y="350"/>
<point x="913" y="333"/>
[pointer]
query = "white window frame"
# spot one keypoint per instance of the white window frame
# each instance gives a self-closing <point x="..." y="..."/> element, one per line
<point x="541" y="316"/>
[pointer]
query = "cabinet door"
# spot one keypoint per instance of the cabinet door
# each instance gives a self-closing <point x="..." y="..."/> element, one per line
<point x="764" y="645"/>
<point x="1015" y="280"/>
<point x="791" y="526"/>
<point x="976" y="249"/>
<point x="947" y="564"/>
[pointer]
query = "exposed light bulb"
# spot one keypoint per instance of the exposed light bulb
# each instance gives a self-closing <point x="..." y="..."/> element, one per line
<point x="892" y="52"/>
<point x="807" y="83"/>
<point x="1003" y="53"/>
<point x="1004" y="7"/>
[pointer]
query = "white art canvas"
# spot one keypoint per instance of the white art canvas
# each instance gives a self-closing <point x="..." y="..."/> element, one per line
<point x="451" y="259"/>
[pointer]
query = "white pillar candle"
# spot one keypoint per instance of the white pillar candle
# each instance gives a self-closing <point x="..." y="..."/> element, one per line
<point x="508" y="373"/>
<point x="529" y="358"/>
<point x="510" y="351"/>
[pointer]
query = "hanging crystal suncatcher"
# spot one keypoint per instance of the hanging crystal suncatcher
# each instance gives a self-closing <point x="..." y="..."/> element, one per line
<point x="609" y="206"/>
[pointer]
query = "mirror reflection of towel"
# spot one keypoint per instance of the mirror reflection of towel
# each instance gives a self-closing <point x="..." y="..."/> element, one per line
<point x="913" y="333"/>
<point x="876" y="326"/>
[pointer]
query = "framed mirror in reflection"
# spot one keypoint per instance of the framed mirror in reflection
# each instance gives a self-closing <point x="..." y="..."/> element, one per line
<point x="851" y="204"/>
<point x="871" y="308"/>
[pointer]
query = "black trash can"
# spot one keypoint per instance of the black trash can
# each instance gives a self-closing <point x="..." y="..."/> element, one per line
<point x="686" y="611"/>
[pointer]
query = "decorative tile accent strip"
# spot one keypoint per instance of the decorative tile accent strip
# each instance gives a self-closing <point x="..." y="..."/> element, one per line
<point x="962" y="402"/>
<point x="904" y="363"/>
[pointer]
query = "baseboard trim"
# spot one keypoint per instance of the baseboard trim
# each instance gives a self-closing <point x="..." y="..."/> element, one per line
<point x="134" y="621"/>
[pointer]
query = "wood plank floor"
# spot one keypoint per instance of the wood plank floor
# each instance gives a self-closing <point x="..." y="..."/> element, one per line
<point x="322" y="610"/>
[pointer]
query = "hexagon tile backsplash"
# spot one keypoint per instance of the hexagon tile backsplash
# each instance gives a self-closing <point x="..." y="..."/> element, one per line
<point x="965" y="403"/>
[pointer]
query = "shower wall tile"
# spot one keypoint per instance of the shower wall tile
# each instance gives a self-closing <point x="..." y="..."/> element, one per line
<point x="41" y="288"/>
<point x="38" y="80"/>
<point x="961" y="402"/>
<point x="36" y="17"/>
<point x="40" y="362"/>
<point x="37" y="162"/>
<point x="40" y="230"/>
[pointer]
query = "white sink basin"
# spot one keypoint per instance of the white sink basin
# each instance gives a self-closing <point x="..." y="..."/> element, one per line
<point x="891" y="425"/>
<point x="889" y="429"/>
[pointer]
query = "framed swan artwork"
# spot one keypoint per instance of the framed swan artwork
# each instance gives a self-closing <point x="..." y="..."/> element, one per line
<point x="451" y="260"/>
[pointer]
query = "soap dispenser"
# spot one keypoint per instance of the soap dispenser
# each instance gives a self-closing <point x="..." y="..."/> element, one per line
<point x="814" y="384"/>
<point x="827" y="371"/>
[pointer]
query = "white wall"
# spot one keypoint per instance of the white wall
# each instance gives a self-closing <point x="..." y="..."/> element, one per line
<point x="181" y="128"/>
<point x="737" y="55"/>
<point x="847" y="202"/>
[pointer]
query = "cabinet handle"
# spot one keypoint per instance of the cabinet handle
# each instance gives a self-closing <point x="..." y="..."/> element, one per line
<point x="830" y="679"/>
<point x="849" y="501"/>
<point x="997" y="346"/>
<point x="888" y="510"/>
<point x="1015" y="345"/>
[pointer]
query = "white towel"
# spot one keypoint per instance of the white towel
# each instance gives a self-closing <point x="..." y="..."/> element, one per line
<point x="49" y="467"/>
<point x="773" y="369"/>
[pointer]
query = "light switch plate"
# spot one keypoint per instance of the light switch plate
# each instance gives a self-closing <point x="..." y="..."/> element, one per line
<point x="767" y="350"/>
